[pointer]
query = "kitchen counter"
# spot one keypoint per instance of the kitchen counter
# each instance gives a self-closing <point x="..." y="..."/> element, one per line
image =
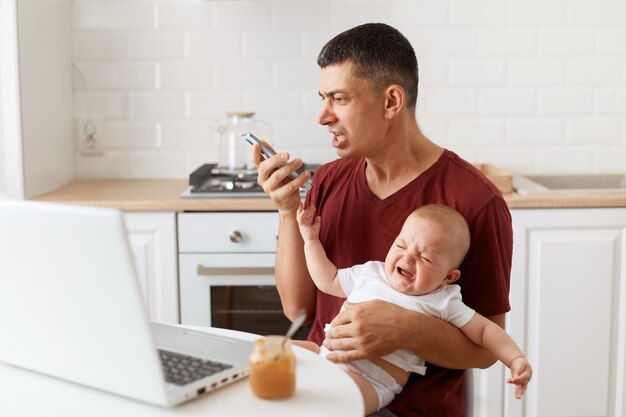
<point x="164" y="195"/>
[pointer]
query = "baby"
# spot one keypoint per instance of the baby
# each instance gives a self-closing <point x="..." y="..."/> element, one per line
<point x="418" y="274"/>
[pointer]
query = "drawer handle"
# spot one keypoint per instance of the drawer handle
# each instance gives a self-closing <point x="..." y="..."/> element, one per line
<point x="235" y="236"/>
<point x="254" y="270"/>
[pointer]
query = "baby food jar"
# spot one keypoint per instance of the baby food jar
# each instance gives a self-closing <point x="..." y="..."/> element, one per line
<point x="272" y="368"/>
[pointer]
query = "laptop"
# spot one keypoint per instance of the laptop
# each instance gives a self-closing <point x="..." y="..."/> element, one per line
<point x="71" y="307"/>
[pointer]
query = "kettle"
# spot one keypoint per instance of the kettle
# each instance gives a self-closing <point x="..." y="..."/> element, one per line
<point x="233" y="152"/>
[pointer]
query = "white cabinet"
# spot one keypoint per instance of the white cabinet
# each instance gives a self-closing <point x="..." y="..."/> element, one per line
<point x="36" y="97"/>
<point x="568" y="296"/>
<point x="152" y="236"/>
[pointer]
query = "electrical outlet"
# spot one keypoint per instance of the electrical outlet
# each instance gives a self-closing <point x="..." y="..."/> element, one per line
<point x="89" y="134"/>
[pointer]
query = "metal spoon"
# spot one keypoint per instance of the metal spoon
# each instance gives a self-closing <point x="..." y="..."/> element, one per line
<point x="295" y="325"/>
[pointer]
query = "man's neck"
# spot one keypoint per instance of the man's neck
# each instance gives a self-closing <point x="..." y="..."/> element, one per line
<point x="409" y="153"/>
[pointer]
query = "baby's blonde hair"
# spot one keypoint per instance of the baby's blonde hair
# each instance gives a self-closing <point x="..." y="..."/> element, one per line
<point x="452" y="223"/>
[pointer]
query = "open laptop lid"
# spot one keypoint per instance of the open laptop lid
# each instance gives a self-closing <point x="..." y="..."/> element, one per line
<point x="67" y="305"/>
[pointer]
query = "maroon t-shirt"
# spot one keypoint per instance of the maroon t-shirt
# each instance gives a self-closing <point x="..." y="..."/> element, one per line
<point x="358" y="227"/>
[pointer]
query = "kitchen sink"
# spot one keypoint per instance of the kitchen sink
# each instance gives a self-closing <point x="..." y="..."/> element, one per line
<point x="570" y="183"/>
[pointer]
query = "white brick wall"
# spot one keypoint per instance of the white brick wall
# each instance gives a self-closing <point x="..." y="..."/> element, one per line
<point x="530" y="85"/>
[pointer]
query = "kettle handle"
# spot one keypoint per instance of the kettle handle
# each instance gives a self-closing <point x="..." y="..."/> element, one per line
<point x="270" y="130"/>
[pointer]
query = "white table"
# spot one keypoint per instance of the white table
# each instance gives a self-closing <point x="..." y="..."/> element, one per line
<point x="323" y="389"/>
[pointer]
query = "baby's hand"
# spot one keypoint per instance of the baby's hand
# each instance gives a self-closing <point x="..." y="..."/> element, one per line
<point x="308" y="223"/>
<point x="521" y="372"/>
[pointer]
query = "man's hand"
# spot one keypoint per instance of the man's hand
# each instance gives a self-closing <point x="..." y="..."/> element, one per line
<point x="272" y="178"/>
<point x="367" y="330"/>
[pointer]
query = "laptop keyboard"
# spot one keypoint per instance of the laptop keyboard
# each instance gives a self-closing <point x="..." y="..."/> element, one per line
<point x="182" y="369"/>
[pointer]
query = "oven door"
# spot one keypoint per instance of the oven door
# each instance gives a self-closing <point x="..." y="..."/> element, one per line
<point x="232" y="291"/>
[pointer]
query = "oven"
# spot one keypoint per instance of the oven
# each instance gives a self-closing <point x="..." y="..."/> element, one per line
<point x="226" y="271"/>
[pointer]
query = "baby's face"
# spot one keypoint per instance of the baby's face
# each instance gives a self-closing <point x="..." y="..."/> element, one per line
<point x="420" y="259"/>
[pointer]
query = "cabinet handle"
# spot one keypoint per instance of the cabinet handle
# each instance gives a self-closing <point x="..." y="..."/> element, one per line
<point x="235" y="236"/>
<point x="220" y="270"/>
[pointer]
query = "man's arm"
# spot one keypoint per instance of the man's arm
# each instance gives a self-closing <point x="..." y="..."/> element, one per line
<point x="295" y="287"/>
<point x="377" y="328"/>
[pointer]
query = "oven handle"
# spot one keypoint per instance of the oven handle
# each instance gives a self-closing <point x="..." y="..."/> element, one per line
<point x="254" y="270"/>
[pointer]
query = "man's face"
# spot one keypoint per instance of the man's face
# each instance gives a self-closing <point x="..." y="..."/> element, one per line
<point x="352" y="112"/>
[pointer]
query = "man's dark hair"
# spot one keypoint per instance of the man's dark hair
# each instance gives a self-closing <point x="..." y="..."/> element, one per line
<point x="380" y="54"/>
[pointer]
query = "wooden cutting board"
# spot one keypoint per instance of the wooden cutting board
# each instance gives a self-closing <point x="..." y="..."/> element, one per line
<point x="501" y="178"/>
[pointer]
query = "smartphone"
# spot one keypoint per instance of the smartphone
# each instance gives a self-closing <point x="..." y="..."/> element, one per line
<point x="268" y="153"/>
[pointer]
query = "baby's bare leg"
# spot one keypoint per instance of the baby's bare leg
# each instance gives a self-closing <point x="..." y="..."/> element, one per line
<point x="370" y="398"/>
<point x="307" y="345"/>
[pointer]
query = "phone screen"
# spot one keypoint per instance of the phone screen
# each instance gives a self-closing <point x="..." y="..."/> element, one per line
<point x="268" y="153"/>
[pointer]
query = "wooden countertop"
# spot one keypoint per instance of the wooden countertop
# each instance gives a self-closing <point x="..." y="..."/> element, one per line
<point x="164" y="195"/>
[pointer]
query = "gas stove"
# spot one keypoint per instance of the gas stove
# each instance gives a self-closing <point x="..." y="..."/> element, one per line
<point x="211" y="180"/>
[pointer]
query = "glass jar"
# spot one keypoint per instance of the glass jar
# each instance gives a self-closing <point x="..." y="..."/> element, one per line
<point x="233" y="152"/>
<point x="272" y="368"/>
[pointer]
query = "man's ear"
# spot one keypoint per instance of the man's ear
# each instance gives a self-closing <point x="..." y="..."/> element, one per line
<point x="394" y="100"/>
<point x="452" y="276"/>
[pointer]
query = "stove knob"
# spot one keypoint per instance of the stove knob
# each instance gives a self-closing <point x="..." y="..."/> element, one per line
<point x="235" y="236"/>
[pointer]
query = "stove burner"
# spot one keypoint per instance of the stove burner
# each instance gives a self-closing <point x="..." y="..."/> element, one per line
<point x="211" y="180"/>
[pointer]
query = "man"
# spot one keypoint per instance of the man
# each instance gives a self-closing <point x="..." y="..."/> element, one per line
<point x="387" y="168"/>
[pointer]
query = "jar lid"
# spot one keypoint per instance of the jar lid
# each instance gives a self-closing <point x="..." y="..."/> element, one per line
<point x="240" y="113"/>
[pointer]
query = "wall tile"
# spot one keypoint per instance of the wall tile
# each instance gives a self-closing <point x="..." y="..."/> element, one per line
<point x="448" y="102"/>
<point x="157" y="164"/>
<point x="594" y="132"/>
<point x="434" y="72"/>
<point x="150" y="46"/>
<point x="477" y="12"/>
<point x="271" y="44"/>
<point x="185" y="75"/>
<point x="349" y="13"/>
<point x="115" y="76"/>
<point x="112" y="15"/>
<point x="187" y="15"/>
<point x="214" y="104"/>
<point x="511" y="102"/>
<point x="566" y="102"/>
<point x="109" y="165"/>
<point x="444" y="42"/>
<point x="254" y="74"/>
<point x="215" y="45"/>
<point x="537" y="13"/>
<point x="188" y="135"/>
<point x="535" y="132"/>
<point x="597" y="12"/>
<point x="295" y="73"/>
<point x="242" y="15"/>
<point x="537" y="72"/>
<point x="127" y="136"/>
<point x="478" y="72"/>
<point x="611" y="41"/>
<point x="88" y="46"/>
<point x="301" y="14"/>
<point x="609" y="159"/>
<point x="155" y="106"/>
<point x="611" y="101"/>
<point x="477" y="132"/>
<point x="595" y="71"/>
<point x="529" y="85"/>
<point x="564" y="160"/>
<point x="566" y="42"/>
<point x="408" y="14"/>
<point x="508" y="42"/>
<point x="274" y="103"/>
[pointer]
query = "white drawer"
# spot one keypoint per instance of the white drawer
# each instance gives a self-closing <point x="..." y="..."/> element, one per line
<point x="227" y="232"/>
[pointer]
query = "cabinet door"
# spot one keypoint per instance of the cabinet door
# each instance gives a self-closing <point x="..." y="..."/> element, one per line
<point x="152" y="236"/>
<point x="568" y="298"/>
